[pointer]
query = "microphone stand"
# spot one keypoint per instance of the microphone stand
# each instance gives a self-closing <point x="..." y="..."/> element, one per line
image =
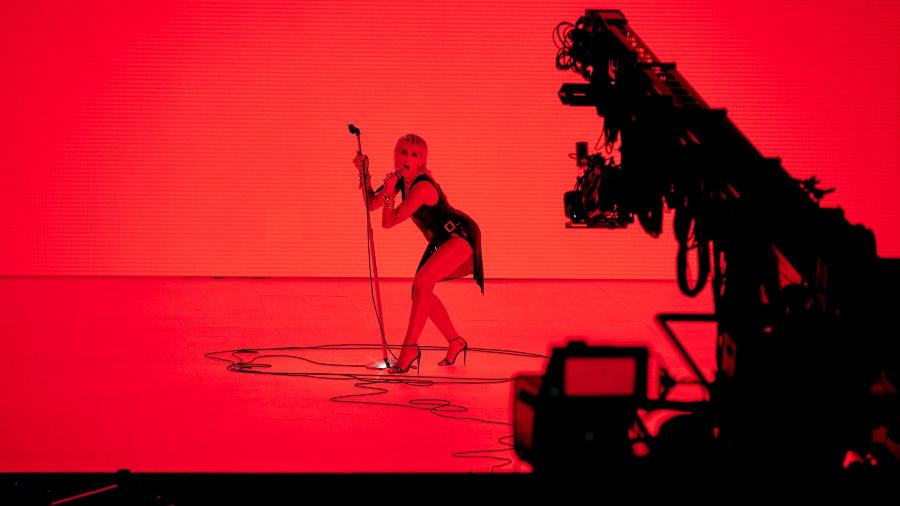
<point x="377" y="290"/>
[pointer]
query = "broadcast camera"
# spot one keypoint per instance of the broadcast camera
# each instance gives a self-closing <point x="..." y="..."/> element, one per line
<point x="597" y="200"/>
<point x="805" y="373"/>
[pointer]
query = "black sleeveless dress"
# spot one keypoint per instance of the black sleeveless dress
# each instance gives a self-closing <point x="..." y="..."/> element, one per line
<point x="440" y="222"/>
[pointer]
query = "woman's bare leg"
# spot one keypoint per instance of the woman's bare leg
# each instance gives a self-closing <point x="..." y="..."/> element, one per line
<point x="445" y="261"/>
<point x="438" y="314"/>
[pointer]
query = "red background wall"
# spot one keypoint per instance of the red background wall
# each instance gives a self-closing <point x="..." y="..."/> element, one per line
<point x="209" y="138"/>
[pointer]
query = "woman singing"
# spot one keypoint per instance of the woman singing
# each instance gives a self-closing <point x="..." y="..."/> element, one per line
<point x="454" y="243"/>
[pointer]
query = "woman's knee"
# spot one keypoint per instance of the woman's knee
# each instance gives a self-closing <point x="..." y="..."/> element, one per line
<point x="422" y="287"/>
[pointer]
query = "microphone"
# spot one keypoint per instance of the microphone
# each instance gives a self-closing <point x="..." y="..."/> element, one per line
<point x="355" y="131"/>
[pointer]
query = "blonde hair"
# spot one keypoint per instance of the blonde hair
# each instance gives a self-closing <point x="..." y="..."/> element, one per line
<point x="414" y="140"/>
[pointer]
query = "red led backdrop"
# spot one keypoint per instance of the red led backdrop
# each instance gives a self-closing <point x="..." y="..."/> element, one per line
<point x="210" y="138"/>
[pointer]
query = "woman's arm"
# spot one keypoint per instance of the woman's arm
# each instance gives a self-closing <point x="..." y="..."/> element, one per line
<point x="374" y="197"/>
<point x="420" y="194"/>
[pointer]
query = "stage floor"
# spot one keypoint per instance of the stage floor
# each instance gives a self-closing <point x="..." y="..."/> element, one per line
<point x="100" y="374"/>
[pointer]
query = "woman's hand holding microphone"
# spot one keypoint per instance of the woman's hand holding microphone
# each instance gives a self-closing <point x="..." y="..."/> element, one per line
<point x="390" y="179"/>
<point x="390" y="185"/>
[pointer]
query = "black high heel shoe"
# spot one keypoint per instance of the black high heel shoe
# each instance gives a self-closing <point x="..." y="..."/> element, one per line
<point x="464" y="350"/>
<point x="396" y="369"/>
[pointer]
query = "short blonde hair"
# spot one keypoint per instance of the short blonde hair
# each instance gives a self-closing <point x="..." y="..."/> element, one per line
<point x="414" y="140"/>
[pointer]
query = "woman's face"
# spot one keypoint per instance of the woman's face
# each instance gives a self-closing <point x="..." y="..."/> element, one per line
<point x="409" y="158"/>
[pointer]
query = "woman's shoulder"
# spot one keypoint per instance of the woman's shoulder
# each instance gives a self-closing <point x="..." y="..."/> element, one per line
<point x="431" y="190"/>
<point x="423" y="177"/>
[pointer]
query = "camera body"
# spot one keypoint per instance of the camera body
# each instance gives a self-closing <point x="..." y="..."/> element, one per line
<point x="599" y="197"/>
